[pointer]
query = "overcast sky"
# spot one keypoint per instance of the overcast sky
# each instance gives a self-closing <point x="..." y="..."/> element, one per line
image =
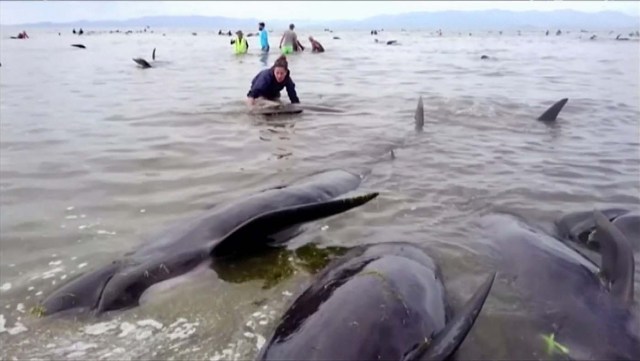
<point x="18" y="12"/>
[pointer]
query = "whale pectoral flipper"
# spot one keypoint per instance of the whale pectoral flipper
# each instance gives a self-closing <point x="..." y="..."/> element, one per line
<point x="617" y="258"/>
<point x="254" y="230"/>
<point x="447" y="341"/>
<point x="552" y="113"/>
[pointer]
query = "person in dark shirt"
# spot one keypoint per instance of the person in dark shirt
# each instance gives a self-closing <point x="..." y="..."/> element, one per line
<point x="268" y="83"/>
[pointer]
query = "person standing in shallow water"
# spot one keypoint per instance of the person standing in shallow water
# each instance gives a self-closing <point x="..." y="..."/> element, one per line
<point x="290" y="40"/>
<point x="240" y="44"/>
<point x="267" y="84"/>
<point x="264" y="38"/>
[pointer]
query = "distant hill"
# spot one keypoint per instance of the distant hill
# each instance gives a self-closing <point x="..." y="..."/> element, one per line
<point x="476" y="20"/>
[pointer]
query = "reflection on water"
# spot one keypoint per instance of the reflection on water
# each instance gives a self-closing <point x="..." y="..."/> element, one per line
<point x="280" y="133"/>
<point x="264" y="59"/>
<point x="96" y="153"/>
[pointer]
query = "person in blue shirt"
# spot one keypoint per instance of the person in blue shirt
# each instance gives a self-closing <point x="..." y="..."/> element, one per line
<point x="268" y="83"/>
<point x="264" y="38"/>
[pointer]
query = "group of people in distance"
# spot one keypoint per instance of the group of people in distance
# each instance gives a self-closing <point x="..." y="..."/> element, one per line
<point x="289" y="42"/>
<point x="267" y="84"/>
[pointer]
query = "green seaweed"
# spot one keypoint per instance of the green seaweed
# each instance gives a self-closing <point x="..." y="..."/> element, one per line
<point x="38" y="311"/>
<point x="313" y="259"/>
<point x="554" y="346"/>
<point x="271" y="266"/>
<point x="276" y="264"/>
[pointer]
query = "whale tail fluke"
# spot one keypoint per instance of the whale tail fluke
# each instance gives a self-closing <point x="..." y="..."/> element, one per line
<point x="552" y="113"/>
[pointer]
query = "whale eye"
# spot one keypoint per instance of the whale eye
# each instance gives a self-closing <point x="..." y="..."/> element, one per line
<point x="590" y="239"/>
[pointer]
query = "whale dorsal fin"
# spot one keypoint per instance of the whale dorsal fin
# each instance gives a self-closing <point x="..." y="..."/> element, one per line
<point x="447" y="341"/>
<point x="419" y="116"/>
<point x="552" y="113"/>
<point x="153" y="54"/>
<point x="617" y="266"/>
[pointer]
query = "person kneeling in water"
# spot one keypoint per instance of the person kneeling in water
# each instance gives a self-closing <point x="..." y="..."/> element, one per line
<point x="316" y="47"/>
<point x="268" y="83"/>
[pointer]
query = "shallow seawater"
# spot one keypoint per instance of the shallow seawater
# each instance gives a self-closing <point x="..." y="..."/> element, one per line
<point x="96" y="154"/>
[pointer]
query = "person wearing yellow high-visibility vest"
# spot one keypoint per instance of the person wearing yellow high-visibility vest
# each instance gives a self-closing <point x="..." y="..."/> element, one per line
<point x="240" y="44"/>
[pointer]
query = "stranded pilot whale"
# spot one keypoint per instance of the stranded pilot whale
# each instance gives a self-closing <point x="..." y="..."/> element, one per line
<point x="380" y="302"/>
<point x="589" y="308"/>
<point x="224" y="231"/>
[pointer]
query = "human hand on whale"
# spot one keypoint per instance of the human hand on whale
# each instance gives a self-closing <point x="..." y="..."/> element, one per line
<point x="266" y="107"/>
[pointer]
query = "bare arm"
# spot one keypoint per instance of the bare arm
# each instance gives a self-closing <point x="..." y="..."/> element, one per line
<point x="281" y="40"/>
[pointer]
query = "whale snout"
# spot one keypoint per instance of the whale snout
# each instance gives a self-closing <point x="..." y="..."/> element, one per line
<point x="84" y="292"/>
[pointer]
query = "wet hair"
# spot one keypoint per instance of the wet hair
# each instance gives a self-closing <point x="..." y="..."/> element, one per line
<point x="261" y="24"/>
<point x="291" y="26"/>
<point x="281" y="62"/>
